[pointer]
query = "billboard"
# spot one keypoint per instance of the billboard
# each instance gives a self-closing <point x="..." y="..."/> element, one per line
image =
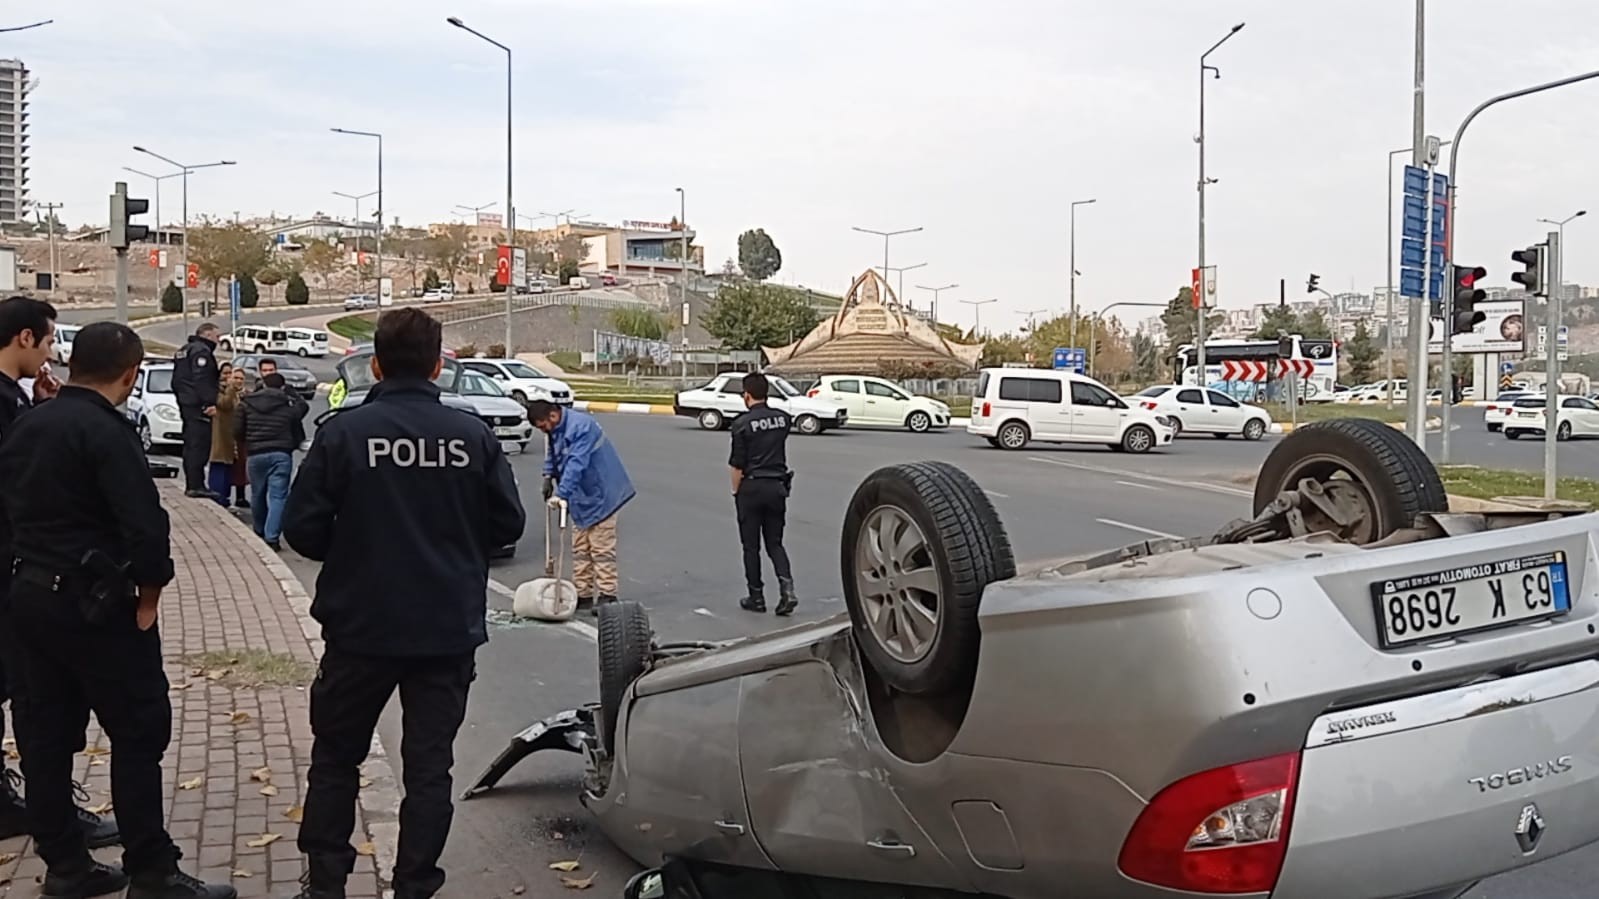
<point x="1502" y="331"/>
<point x="490" y="220"/>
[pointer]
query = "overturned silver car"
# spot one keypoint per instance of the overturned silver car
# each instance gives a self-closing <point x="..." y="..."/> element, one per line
<point x="1353" y="694"/>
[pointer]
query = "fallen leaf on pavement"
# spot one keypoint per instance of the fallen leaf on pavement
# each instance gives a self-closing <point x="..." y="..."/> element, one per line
<point x="104" y="807"/>
<point x="269" y="790"/>
<point x="193" y="784"/>
<point x="187" y="684"/>
<point x="240" y="872"/>
<point x="261" y="775"/>
<point x="577" y="883"/>
<point x="519" y="889"/>
<point x="196" y="672"/>
<point x="239" y="717"/>
<point x="265" y="839"/>
<point x="216" y="674"/>
<point x="7" y="858"/>
<point x="564" y="866"/>
<point x="366" y="849"/>
<point x="367" y="781"/>
<point x="96" y="750"/>
<point x="295" y="814"/>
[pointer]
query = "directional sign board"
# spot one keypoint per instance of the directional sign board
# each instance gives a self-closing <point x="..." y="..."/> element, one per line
<point x="233" y="299"/>
<point x="1072" y="358"/>
<point x="1244" y="370"/>
<point x="1418" y="242"/>
<point x="1301" y="367"/>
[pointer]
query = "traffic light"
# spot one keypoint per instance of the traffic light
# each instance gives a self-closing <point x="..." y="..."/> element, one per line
<point x="1313" y="284"/>
<point x="1285" y="347"/>
<point x="123" y="207"/>
<point x="1531" y="259"/>
<point x="1467" y="296"/>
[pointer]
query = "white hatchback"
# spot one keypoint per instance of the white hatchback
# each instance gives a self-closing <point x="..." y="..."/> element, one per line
<point x="1579" y="417"/>
<point x="878" y="402"/>
<point x="521" y="381"/>
<point x="1204" y="411"/>
<point x="1500" y="407"/>
<point x="153" y="407"/>
<point x="1014" y="406"/>
<point x="718" y="403"/>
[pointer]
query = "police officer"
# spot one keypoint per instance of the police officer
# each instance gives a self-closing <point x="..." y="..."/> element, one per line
<point x="195" y="381"/>
<point x="90" y="556"/>
<point x="761" y="482"/>
<point x="402" y="499"/>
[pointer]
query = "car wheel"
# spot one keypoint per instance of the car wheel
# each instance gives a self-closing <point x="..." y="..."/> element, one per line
<point x="711" y="420"/>
<point x="921" y="541"/>
<point x="225" y="344"/>
<point x="519" y="396"/>
<point x="1492" y="429"/>
<point x="1563" y="430"/>
<point x="1254" y="429"/>
<point x="918" y="422"/>
<point x="1013" y="435"/>
<point x="260" y="348"/>
<point x="808" y="424"/>
<point x="993" y="442"/>
<point x="1176" y="427"/>
<point x="1513" y="434"/>
<point x="1138" y="439"/>
<point x="146" y="439"/>
<point x="303" y="353"/>
<point x="624" y="642"/>
<point x="1365" y="463"/>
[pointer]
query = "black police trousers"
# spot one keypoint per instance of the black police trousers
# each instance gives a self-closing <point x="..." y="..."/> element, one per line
<point x="762" y="505"/>
<point x="346" y="700"/>
<point x="196" y="448"/>
<point x="72" y="667"/>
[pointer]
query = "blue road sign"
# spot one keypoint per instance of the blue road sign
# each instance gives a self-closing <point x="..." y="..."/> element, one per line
<point x="1074" y="358"/>
<point x="233" y="299"/>
<point x="1506" y="368"/>
<point x="1417" y="244"/>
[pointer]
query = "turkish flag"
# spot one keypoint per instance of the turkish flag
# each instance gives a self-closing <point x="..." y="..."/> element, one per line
<point x="193" y="280"/>
<point x="502" y="267"/>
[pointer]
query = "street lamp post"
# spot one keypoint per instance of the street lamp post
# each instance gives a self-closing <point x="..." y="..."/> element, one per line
<point x="157" y="179"/>
<point x="901" y="272"/>
<point x="1073" y="264"/>
<point x="183" y="171"/>
<point x="378" y="272"/>
<point x="1560" y="225"/>
<point x="682" y="275"/>
<point x="977" y="314"/>
<point x="463" y="209"/>
<point x="358" y="198"/>
<point x="936" y="291"/>
<point x="1199" y="302"/>
<point x="510" y="209"/>
<point x="886" y="236"/>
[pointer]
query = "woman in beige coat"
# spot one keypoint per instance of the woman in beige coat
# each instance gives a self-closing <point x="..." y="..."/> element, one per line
<point x="224" y="451"/>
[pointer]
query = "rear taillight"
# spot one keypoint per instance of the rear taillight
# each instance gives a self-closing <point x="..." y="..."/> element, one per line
<point x="1219" y="831"/>
<point x="1148" y="405"/>
<point x="813" y="391"/>
<point x="987" y="410"/>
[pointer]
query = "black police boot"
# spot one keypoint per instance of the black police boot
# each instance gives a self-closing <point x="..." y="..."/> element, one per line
<point x="755" y="602"/>
<point x="99" y="831"/>
<point x="13" y="812"/>
<point x="603" y="599"/>
<point x="787" y="599"/>
<point x="174" y="884"/>
<point x="314" y="887"/>
<point x="85" y="879"/>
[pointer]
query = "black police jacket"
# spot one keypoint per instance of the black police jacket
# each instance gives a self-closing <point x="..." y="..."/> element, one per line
<point x="401" y="499"/>
<point x="194" y="374"/>
<point x="760" y="443"/>
<point x="13" y="402"/>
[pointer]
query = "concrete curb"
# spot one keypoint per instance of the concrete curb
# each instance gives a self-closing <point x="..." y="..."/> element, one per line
<point x="178" y="316"/>
<point x="1433" y="424"/>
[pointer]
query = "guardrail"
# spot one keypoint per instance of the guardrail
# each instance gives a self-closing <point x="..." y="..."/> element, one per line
<point x="495" y="307"/>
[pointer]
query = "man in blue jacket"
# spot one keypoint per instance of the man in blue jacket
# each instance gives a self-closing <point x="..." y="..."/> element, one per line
<point x="582" y="470"/>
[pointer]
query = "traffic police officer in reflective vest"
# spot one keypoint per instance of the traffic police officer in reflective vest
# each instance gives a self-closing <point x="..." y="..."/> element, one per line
<point x="196" y="382"/>
<point x="90" y="556"/>
<point x="761" y="484"/>
<point x="401" y="499"/>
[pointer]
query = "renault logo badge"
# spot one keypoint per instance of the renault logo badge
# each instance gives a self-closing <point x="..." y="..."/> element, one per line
<point x="1530" y="829"/>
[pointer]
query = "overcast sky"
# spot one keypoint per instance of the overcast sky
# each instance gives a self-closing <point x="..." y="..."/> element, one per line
<point x="976" y="121"/>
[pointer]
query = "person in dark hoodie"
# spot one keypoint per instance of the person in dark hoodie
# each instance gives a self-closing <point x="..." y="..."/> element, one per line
<point x="195" y="381"/>
<point x="271" y="421"/>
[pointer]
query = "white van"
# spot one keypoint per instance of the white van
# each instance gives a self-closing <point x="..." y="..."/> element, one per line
<point x="1013" y="406"/>
<point x="256" y="339"/>
<point x="305" y="342"/>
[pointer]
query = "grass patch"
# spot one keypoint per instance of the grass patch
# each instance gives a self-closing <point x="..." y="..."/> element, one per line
<point x="354" y="328"/>
<point x="1487" y="483"/>
<point x="250" y="668"/>
<point x="567" y="360"/>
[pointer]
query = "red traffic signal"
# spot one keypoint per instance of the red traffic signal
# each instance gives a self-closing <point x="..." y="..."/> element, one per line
<point x="1469" y="276"/>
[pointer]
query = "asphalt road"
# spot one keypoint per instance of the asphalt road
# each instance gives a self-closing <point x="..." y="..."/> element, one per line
<point x="680" y="557"/>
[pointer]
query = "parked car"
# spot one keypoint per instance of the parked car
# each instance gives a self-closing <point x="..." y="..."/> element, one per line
<point x="1274" y="709"/>
<point x="256" y="339"/>
<point x="1499" y="408"/>
<point x="716" y="404"/>
<point x="153" y="407"/>
<point x="1375" y="392"/>
<point x="577" y="282"/>
<point x="506" y="416"/>
<point x="438" y="295"/>
<point x="1191" y="409"/>
<point x="304" y="342"/>
<point x="357" y="301"/>
<point x="1579" y="417"/>
<point x="65" y="334"/>
<point x="298" y="378"/>
<point x="521" y="381"/>
<point x="607" y="280"/>
<point x="538" y="285"/>
<point x="1016" y="406"/>
<point x="878" y="402"/>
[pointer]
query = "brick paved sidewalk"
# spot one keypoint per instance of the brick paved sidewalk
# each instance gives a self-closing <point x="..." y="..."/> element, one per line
<point x="240" y="648"/>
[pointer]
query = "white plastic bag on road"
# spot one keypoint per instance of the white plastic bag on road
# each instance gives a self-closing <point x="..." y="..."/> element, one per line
<point x="552" y="597"/>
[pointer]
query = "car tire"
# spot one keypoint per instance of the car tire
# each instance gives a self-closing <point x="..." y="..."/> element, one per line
<point x="1512" y="434"/>
<point x="918" y="422"/>
<point x="519" y="396"/>
<point x="954" y="537"/>
<point x="146" y="438"/>
<point x="1492" y="429"/>
<point x="711" y="420"/>
<point x="260" y="348"/>
<point x="1138" y="439"/>
<point x="993" y="442"/>
<point x="1395" y="478"/>
<point x="1012" y="435"/>
<point x="303" y="353"/>
<point x="1254" y="429"/>
<point x="225" y="344"/>
<point x="808" y="425"/>
<point x="624" y="646"/>
<point x="1176" y="427"/>
<point x="1562" y="430"/>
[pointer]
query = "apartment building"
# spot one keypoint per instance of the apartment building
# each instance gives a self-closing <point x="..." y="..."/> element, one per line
<point x="14" y="87"/>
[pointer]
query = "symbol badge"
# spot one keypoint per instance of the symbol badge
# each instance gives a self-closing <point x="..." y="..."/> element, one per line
<point x="1530" y="829"/>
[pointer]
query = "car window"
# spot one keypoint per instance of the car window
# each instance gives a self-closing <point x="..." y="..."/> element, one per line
<point x="475" y="384"/>
<point x="1576" y="402"/>
<point x="785" y="388"/>
<point x="1153" y="391"/>
<point x="982" y="385"/>
<point x="1530" y="402"/>
<point x="481" y="368"/>
<point x="288" y="363"/>
<point x="1030" y="390"/>
<point x="159" y="381"/>
<point x="1190" y="396"/>
<point x="523" y="370"/>
<point x="734" y="386"/>
<point x="1086" y="394"/>
<point x="846" y="386"/>
<point x="873" y="388"/>
<point x="1217" y="398"/>
<point x="280" y="335"/>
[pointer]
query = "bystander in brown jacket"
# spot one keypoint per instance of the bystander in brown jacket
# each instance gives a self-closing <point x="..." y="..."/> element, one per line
<point x="227" y="464"/>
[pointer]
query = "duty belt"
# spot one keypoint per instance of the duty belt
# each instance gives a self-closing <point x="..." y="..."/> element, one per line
<point x="25" y="572"/>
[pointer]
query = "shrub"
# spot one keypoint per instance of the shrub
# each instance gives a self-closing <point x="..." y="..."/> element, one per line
<point x="172" y="299"/>
<point x="296" y="293"/>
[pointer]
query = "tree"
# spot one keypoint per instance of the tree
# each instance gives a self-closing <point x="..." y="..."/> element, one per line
<point x="1146" y="358"/>
<point x="1361" y="353"/>
<point x="567" y="271"/>
<point x="172" y="298"/>
<point x="321" y="259"/>
<point x="228" y="249"/>
<point x="450" y="247"/>
<point x="1313" y="325"/>
<point x="1004" y="348"/>
<point x="1275" y="322"/>
<point x="296" y="293"/>
<point x="249" y="294"/>
<point x="639" y="322"/>
<point x="748" y="316"/>
<point x="758" y="256"/>
<point x="430" y="280"/>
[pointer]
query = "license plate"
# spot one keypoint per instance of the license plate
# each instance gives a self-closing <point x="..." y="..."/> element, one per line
<point x="1472" y="598"/>
<point x="507" y="432"/>
<point x="509" y="446"/>
<point x="1526" y="415"/>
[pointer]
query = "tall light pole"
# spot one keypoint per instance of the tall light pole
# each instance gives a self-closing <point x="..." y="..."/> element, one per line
<point x="378" y="273"/>
<point x="463" y="209"/>
<point x="901" y="272"/>
<point x="1199" y="324"/>
<point x="1073" y="264"/>
<point x="183" y="171"/>
<point x="977" y="314"/>
<point x="886" y="236"/>
<point x="358" y="198"/>
<point x="510" y="209"/>
<point x="1559" y="273"/>
<point x="936" y="291"/>
<point x="682" y="279"/>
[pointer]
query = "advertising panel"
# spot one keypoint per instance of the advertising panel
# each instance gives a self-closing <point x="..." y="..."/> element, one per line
<point x="1502" y="331"/>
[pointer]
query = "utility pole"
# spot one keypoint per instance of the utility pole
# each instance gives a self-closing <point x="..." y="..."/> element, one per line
<point x="1072" y="264"/>
<point x="1199" y="301"/>
<point x="50" y="224"/>
<point x="1420" y="320"/>
<point x="1032" y="319"/>
<point x="1551" y="390"/>
<point x="902" y="271"/>
<point x="936" y="291"/>
<point x="682" y="275"/>
<point x="977" y="314"/>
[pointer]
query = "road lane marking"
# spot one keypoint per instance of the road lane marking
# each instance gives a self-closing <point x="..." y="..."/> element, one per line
<point x="1123" y="473"/>
<point x="996" y="494"/>
<point x="701" y="610"/>
<point x="1139" y="486"/>
<point x="583" y="628"/>
<point x="1136" y="529"/>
